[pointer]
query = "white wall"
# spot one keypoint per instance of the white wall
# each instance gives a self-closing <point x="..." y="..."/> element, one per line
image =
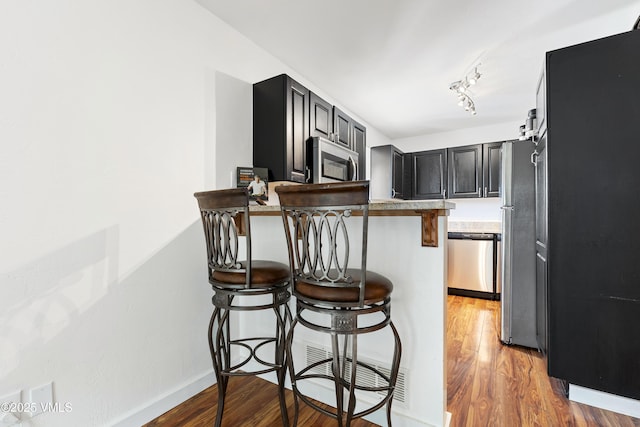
<point x="112" y="113"/>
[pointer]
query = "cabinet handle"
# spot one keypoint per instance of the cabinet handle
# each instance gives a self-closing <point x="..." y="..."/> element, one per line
<point x="393" y="193"/>
<point x="307" y="174"/>
<point x="534" y="157"/>
<point x="444" y="193"/>
<point x="479" y="192"/>
<point x="485" y="191"/>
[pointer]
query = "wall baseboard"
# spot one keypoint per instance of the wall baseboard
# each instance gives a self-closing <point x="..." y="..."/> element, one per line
<point x="164" y="403"/>
<point x="602" y="400"/>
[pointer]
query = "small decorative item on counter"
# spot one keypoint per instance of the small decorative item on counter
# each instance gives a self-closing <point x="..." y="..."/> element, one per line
<point x="256" y="180"/>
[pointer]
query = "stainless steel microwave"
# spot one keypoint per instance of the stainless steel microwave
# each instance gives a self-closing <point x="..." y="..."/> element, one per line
<point x="332" y="162"/>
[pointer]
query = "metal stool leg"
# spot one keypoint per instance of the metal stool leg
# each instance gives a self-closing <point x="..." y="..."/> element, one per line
<point x="352" y="382"/>
<point x="395" y="367"/>
<point x="216" y="346"/>
<point x="292" y="372"/>
<point x="282" y="316"/>
<point x="220" y="347"/>
<point x="338" y="372"/>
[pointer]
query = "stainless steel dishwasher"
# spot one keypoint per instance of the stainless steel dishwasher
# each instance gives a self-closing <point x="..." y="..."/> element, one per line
<point x="473" y="265"/>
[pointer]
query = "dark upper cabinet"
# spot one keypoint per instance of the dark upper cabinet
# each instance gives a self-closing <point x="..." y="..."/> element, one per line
<point x="320" y="117"/>
<point x="398" y="174"/>
<point x="387" y="173"/>
<point x="359" y="145"/>
<point x="351" y="134"/>
<point x="285" y="116"/>
<point x="474" y="171"/>
<point x="465" y="171"/>
<point x="280" y="128"/>
<point x="342" y="128"/>
<point x="491" y="162"/>
<point x="428" y="174"/>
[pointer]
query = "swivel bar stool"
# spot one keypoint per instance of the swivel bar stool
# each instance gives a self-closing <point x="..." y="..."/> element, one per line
<point x="334" y="298"/>
<point x="225" y="216"/>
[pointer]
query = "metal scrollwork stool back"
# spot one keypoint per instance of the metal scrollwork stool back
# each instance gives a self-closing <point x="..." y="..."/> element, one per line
<point x="334" y="298"/>
<point x="225" y="217"/>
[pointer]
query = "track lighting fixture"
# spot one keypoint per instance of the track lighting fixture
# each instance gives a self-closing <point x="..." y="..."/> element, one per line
<point x="461" y="88"/>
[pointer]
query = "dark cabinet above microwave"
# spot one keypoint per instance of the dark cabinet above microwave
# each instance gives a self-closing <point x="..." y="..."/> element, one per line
<point x="285" y="116"/>
<point x="320" y="117"/>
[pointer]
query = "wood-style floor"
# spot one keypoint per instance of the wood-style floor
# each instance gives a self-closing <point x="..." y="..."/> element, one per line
<point x="488" y="384"/>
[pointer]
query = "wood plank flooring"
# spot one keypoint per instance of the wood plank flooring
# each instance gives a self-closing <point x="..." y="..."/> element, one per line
<point x="491" y="384"/>
<point x="488" y="384"/>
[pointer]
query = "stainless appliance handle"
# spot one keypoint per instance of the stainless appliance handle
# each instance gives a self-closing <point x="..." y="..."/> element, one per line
<point x="354" y="165"/>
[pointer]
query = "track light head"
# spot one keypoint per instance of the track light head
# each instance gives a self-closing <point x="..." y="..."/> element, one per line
<point x="461" y="88"/>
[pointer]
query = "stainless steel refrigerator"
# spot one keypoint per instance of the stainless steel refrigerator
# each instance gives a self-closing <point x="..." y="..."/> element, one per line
<point x="518" y="301"/>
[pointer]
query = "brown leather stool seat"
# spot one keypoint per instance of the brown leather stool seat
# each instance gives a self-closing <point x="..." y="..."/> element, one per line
<point x="264" y="274"/>
<point x="376" y="289"/>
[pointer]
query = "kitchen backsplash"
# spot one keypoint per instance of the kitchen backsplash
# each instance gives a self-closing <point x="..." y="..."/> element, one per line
<point x="487" y="209"/>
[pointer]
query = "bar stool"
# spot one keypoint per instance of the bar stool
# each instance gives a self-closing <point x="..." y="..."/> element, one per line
<point x="263" y="285"/>
<point x="332" y="297"/>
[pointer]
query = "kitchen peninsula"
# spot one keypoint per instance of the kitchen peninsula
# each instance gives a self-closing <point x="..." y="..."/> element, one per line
<point x="407" y="242"/>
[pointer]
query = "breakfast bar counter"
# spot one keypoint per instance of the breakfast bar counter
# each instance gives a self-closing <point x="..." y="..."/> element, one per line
<point x="407" y="242"/>
<point x="427" y="210"/>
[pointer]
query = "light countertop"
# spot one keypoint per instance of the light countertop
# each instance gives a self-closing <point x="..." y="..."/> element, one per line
<point x="475" y="226"/>
<point x="380" y="207"/>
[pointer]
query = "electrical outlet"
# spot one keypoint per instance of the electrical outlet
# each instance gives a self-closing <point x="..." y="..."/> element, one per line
<point x="41" y="397"/>
<point x="9" y="405"/>
<point x="8" y="419"/>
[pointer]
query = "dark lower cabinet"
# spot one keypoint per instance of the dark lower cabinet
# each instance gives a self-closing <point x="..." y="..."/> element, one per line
<point x="593" y="265"/>
<point x="280" y="128"/>
<point x="429" y="174"/>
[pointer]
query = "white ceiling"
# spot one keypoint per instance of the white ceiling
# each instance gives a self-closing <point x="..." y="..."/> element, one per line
<point x="391" y="62"/>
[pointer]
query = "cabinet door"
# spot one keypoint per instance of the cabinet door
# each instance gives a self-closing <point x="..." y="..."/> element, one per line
<point x="465" y="171"/>
<point x="397" y="173"/>
<point x="540" y="158"/>
<point x="297" y="131"/>
<point x="429" y="174"/>
<point x="342" y="127"/>
<point x="320" y="116"/>
<point x="360" y="146"/>
<point x="491" y="169"/>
